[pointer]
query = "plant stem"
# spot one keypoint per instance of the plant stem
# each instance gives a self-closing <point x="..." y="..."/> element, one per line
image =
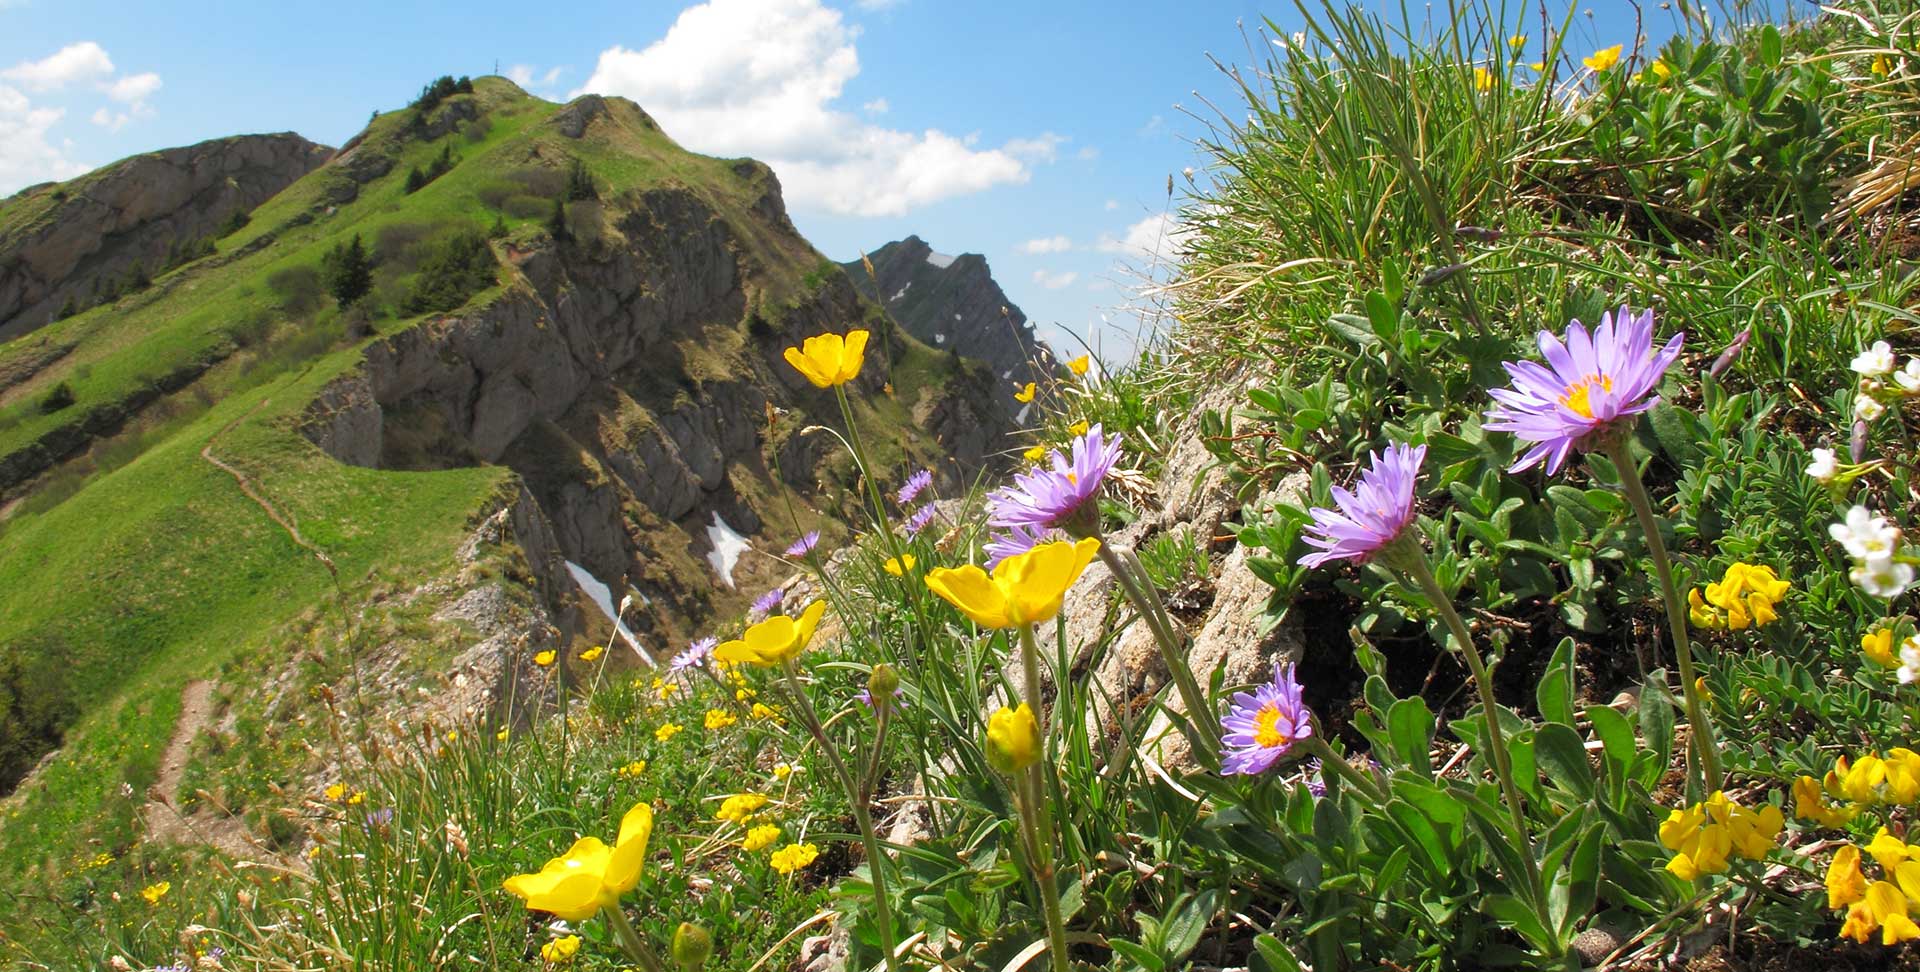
<point x="1034" y="819"/>
<point x="858" y="798"/>
<point x="629" y="939"/>
<point x="1201" y="733"/>
<point x="1705" y="752"/>
<point x="1414" y="564"/>
<point x="1333" y="762"/>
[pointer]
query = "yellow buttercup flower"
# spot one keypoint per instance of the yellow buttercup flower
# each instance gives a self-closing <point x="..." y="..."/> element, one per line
<point x="793" y="857"/>
<point x="590" y="875"/>
<point x="898" y="566"/>
<point x="1704" y="835"/>
<point x="667" y="731"/>
<point x="544" y="658"/>
<point x="1845" y="883"/>
<point x="1517" y="41"/>
<point x="740" y="807"/>
<point x="1881" y="66"/>
<point x="1078" y="428"/>
<point x="1026" y="394"/>
<point x="1809" y="803"/>
<point x="760" y="838"/>
<point x="560" y="949"/>
<point x="592" y="654"/>
<point x="720" y="719"/>
<point x="1878" y="647"/>
<point x="154" y="892"/>
<point x="1079" y="365"/>
<point x="776" y="640"/>
<point x="503" y="734"/>
<point x="1023" y="589"/>
<point x="781" y="771"/>
<point x="1661" y="72"/>
<point x="829" y="359"/>
<point x="1036" y="453"/>
<point x="358" y="797"/>
<point x="1013" y="739"/>
<point x="1482" y="79"/>
<point x="336" y="792"/>
<point x="1603" y="59"/>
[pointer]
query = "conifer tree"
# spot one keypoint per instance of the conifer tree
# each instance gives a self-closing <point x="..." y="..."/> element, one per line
<point x="347" y="272"/>
<point x="557" y="223"/>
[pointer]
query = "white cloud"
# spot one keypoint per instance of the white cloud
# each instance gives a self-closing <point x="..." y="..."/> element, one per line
<point x="760" y="78"/>
<point x="1055" y="281"/>
<point x="1087" y="153"/>
<point x="875" y="6"/>
<point x="133" y="88"/>
<point x="528" y="76"/>
<point x="1047" y="244"/>
<point x="26" y="154"/>
<point x="1044" y="148"/>
<point x="877" y="106"/>
<point x="73" y="63"/>
<point x="1156" y="238"/>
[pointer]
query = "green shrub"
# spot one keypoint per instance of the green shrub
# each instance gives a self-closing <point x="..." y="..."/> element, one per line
<point x="57" y="398"/>
<point x="455" y="269"/>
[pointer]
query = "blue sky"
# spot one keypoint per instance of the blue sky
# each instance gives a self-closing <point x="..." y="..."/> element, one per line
<point x="1040" y="134"/>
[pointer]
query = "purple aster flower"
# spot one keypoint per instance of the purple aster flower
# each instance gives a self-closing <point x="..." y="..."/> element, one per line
<point x="804" y="545"/>
<point x="915" y="485"/>
<point x="1590" y="382"/>
<point x="1046" y="498"/>
<point x="919" y="520"/>
<point x="1373" y="514"/>
<point x="1014" y="541"/>
<point x="1316" y="778"/>
<point x="1262" y="725"/>
<point x="379" y="819"/>
<point x="768" y="603"/>
<point x="695" y="655"/>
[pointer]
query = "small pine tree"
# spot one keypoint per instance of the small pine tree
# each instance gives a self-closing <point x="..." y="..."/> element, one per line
<point x="347" y="272"/>
<point x="557" y="223"/>
<point x="137" y="279"/>
<point x="464" y="85"/>
<point x="580" y="183"/>
<point x="415" y="180"/>
<point x="442" y="165"/>
<point x="499" y="227"/>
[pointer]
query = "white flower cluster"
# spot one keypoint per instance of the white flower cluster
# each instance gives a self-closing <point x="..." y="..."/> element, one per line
<point x="1881" y="385"/>
<point x="1874" y="545"/>
<point x="1909" y="672"/>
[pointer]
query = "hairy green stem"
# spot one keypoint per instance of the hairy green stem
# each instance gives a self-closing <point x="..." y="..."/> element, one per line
<point x="1035" y="821"/>
<point x="629" y="939"/>
<point x="1201" y="733"/>
<point x="1705" y="752"/>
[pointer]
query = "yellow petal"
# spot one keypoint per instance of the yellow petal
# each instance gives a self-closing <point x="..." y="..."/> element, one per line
<point x="974" y="593"/>
<point x="1079" y="365"/>
<point x="1037" y="581"/>
<point x="1888" y="851"/>
<point x="773" y="641"/>
<point x="1878" y="646"/>
<point x="1845" y="883"/>
<point x="809" y="619"/>
<point x="853" y="353"/>
<point x="1025" y="395"/>
<point x="1860" y="924"/>
<point x="569" y="886"/>
<point x="1013" y="739"/>
<point x="735" y="652"/>
<point x="806" y="366"/>
<point x="630" y="851"/>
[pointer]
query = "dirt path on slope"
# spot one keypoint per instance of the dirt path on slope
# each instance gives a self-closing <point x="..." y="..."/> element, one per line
<point x="165" y="822"/>
<point x="285" y="520"/>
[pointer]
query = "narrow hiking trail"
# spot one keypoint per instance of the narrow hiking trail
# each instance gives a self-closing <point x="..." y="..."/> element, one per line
<point x="165" y="822"/>
<point x="285" y="520"/>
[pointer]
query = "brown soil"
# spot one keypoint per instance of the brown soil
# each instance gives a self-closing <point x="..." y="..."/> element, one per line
<point x="165" y="823"/>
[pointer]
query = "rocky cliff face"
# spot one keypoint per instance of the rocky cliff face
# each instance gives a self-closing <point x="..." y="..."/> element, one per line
<point x="953" y="304"/>
<point x="61" y="242"/>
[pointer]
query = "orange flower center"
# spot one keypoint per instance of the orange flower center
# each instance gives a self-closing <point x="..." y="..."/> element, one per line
<point x="1576" y="394"/>
<point x="1267" y="735"/>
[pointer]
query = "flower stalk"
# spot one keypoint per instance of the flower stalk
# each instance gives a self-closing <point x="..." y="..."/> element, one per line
<point x="1201" y="732"/>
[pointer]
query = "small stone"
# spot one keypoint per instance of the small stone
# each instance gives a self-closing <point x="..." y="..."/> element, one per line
<point x="1595" y="944"/>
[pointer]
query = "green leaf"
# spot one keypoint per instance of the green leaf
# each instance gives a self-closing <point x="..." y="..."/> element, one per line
<point x="1514" y="913"/>
<point x="1182" y="930"/>
<point x="1618" y="747"/>
<point x="1554" y="694"/>
<point x="1770" y="46"/>
<point x="1271" y="956"/>
<point x="1139" y="956"/>
<point x="1656" y="720"/>
<point x="1583" y="878"/>
<point x="1563" y="758"/>
<point x="1410" y="724"/>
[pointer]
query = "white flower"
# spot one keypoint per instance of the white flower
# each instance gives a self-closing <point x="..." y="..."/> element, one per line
<point x="1910" y="660"/>
<point x="1908" y="378"/>
<point x="1864" y="535"/>
<point x="1866" y="408"/>
<point x="1874" y="361"/>
<point x="1883" y="577"/>
<point x="1824" y="467"/>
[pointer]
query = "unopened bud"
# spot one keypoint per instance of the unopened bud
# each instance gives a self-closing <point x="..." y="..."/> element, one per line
<point x="883" y="682"/>
<point x="1013" y="739"/>
<point x="1857" y="446"/>
<point x="1440" y="274"/>
<point x="1478" y="234"/>
<point x="1725" y="361"/>
<point x="692" y="946"/>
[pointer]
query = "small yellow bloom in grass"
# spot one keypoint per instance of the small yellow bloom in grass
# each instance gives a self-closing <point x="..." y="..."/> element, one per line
<point x="1881" y="66"/>
<point x="898" y="566"/>
<point x="503" y="734"/>
<point x="1026" y="394"/>
<point x="776" y="640"/>
<point x="1884" y="909"/>
<point x="667" y="731"/>
<point x="593" y="654"/>
<point x="1603" y="59"/>
<point x="666" y="689"/>
<point x="793" y="857"/>
<point x="1078" y="428"/>
<point x="560" y="949"/>
<point x="1878" y="646"/>
<point x="358" y="797"/>
<point x="740" y="807"/>
<point x="1482" y="80"/>
<point x="829" y="359"/>
<point x="591" y="875"/>
<point x="1537" y="66"/>
<point x="1661" y="72"/>
<point x="337" y="792"/>
<point x="544" y="658"/>
<point x="1079" y="365"/>
<point x="1743" y="597"/>
<point x="154" y="892"/>
<point x="1013" y="739"/>
<point x="763" y="711"/>
<point x="760" y="838"/>
<point x="720" y="719"/>
<point x="632" y="769"/>
<point x="1517" y="41"/>
<point x="1036" y="453"/>
<point x="781" y="771"/>
<point x="1023" y="589"/>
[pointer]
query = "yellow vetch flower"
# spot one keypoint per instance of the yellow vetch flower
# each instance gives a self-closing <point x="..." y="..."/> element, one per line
<point x="1881" y="66"/>
<point x="763" y="711"/>
<point x="1704" y="835"/>
<point x="1013" y="739"/>
<point x="898" y="566"/>
<point x="1482" y="79"/>
<point x="1517" y="41"/>
<point x="740" y="807"/>
<point x="544" y="658"/>
<point x="1889" y="851"/>
<point x="1744" y="596"/>
<point x="793" y="857"/>
<point x="1036" y="453"/>
<point x="154" y="892"/>
<point x="1023" y="589"/>
<point x="358" y="797"/>
<point x="1878" y="647"/>
<point x="1845" y="883"/>
<point x="781" y="771"/>
<point x="829" y="359"/>
<point x="776" y="640"/>
<point x="667" y="731"/>
<point x="591" y="875"/>
<point x="665" y="689"/>
<point x="560" y="949"/>
<point x="633" y="769"/>
<point x="592" y="654"/>
<point x="502" y="734"/>
<point x="760" y="838"/>
<point x="1884" y="909"/>
<point x="1079" y="365"/>
<point x="1078" y="428"/>
<point x="336" y="792"/>
<point x="1809" y="803"/>
<point x="1603" y="59"/>
<point x="1026" y="394"/>
<point x="720" y="719"/>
